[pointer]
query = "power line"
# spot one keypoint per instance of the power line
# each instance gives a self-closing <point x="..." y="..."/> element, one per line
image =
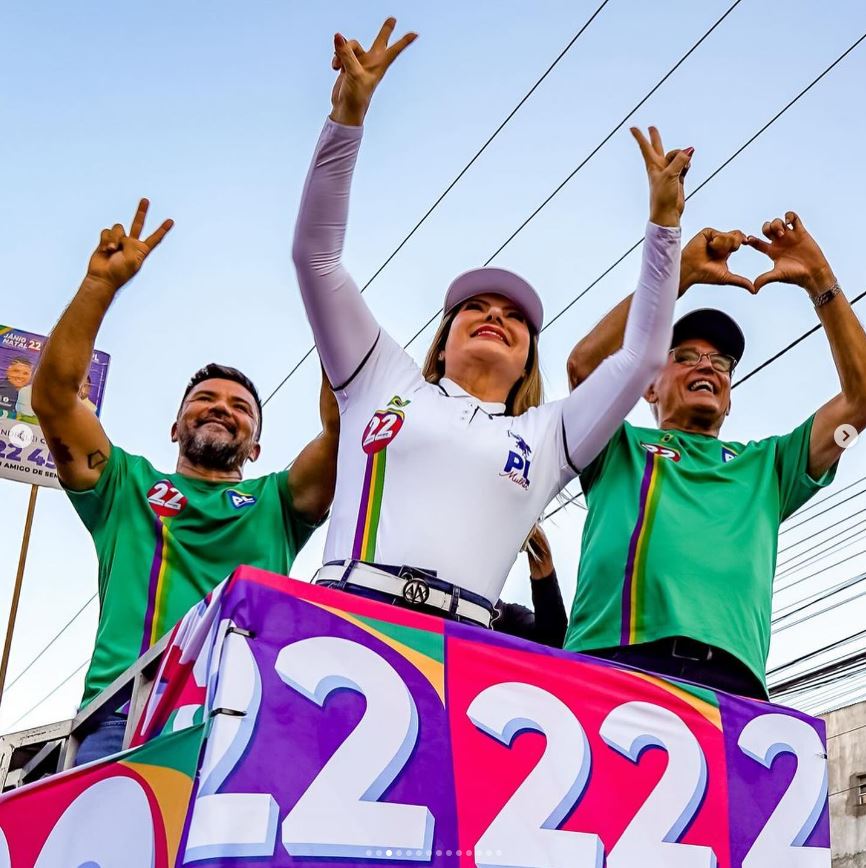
<point x="49" y="694"/>
<point x="802" y="336"/>
<point x="818" y="501"/>
<point x="710" y="178"/>
<point x="456" y="180"/>
<point x="829" y="508"/>
<point x="56" y="637"/>
<point x="817" y="597"/>
<point x="838" y="546"/>
<point x="824" y="529"/>
<point x="580" y="165"/>
<point x="832" y="646"/>
<point x="823" y="611"/>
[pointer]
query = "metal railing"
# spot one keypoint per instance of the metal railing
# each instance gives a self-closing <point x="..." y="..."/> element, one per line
<point x="31" y="754"/>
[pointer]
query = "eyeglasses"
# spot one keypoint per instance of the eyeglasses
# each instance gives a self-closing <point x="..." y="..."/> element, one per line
<point x="721" y="362"/>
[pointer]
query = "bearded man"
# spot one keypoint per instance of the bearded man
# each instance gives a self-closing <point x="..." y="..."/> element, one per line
<point x="164" y="540"/>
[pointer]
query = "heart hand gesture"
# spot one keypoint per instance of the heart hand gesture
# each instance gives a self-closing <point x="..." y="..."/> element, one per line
<point x="796" y="256"/>
<point x="705" y="260"/>
<point x="361" y="71"/>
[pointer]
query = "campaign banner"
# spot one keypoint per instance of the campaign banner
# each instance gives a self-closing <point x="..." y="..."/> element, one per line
<point x="126" y="811"/>
<point x="343" y="732"/>
<point x="24" y="454"/>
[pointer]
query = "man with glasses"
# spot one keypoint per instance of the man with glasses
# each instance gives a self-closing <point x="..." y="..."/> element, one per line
<point x="679" y="546"/>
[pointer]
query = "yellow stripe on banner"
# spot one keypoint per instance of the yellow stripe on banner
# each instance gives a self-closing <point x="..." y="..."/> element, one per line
<point x="705" y="709"/>
<point x="640" y="551"/>
<point x="160" y="586"/>
<point x="172" y="790"/>
<point x="432" y="670"/>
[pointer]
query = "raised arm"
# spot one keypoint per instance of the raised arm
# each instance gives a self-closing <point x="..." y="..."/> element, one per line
<point x="313" y="474"/>
<point x="704" y="260"/>
<point x="798" y="259"/>
<point x="596" y="408"/>
<point x="75" y="436"/>
<point x="343" y="327"/>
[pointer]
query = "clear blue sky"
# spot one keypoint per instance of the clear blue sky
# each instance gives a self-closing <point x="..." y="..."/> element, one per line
<point x="213" y="110"/>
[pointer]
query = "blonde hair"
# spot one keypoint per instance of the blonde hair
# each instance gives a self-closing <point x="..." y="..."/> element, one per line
<point x="527" y="392"/>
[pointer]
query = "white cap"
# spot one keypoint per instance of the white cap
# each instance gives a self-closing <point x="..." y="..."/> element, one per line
<point x="502" y="282"/>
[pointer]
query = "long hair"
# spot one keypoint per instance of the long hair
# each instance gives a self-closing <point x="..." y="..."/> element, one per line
<point x="527" y="392"/>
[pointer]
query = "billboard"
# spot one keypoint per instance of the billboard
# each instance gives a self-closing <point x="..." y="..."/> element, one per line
<point x="24" y="454"/>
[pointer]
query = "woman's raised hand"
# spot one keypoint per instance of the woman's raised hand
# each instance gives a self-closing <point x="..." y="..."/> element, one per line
<point x="361" y="71"/>
<point x="666" y="173"/>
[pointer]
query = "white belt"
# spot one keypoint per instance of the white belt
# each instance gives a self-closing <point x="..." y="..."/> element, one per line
<point x="414" y="590"/>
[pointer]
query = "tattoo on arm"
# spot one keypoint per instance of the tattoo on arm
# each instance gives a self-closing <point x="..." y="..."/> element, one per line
<point x="96" y="459"/>
<point x="60" y="451"/>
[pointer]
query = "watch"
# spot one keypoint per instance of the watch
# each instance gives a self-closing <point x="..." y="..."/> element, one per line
<point x="827" y="295"/>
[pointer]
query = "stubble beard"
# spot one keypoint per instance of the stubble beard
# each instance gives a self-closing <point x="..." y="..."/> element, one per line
<point x="213" y="454"/>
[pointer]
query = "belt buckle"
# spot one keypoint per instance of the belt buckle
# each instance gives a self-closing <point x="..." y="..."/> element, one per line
<point x="685" y="653"/>
<point x="416" y="591"/>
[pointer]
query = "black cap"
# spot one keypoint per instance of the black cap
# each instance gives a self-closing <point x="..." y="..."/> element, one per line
<point x="213" y="371"/>
<point x="711" y="325"/>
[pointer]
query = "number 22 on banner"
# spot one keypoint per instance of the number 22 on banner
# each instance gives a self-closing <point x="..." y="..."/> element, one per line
<point x="374" y="754"/>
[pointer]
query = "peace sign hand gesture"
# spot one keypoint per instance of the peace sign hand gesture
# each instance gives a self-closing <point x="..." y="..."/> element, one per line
<point x="361" y="71"/>
<point x="666" y="173"/>
<point x="796" y="256"/>
<point x="119" y="256"/>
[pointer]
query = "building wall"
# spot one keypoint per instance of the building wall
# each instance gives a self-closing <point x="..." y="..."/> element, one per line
<point x="846" y="751"/>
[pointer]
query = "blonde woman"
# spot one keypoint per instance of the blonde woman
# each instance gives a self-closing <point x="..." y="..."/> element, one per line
<point x="443" y="471"/>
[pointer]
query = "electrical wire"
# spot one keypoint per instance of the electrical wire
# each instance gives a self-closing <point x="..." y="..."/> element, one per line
<point x="57" y="635"/>
<point x="456" y="179"/>
<point x="48" y="695"/>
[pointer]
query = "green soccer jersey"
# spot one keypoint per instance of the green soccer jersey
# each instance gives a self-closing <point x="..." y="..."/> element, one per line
<point x="164" y="541"/>
<point x="681" y="539"/>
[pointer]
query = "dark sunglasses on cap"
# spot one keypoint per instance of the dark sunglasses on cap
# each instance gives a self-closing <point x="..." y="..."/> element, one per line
<point x="721" y="362"/>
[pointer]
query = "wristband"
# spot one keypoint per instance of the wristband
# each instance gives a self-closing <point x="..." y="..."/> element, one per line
<point x="826" y="296"/>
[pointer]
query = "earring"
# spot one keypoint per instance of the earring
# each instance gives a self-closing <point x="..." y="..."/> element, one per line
<point x="441" y="357"/>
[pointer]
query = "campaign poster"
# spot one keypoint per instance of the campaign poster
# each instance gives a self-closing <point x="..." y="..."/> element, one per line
<point x="24" y="454"/>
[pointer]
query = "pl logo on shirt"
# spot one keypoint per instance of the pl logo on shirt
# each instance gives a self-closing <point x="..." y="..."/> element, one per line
<point x="238" y="499"/>
<point x="517" y="464"/>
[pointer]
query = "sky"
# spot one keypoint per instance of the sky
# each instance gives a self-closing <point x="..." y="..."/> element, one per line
<point x="212" y="111"/>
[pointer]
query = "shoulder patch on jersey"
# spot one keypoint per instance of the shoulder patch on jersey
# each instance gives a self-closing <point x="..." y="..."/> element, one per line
<point x="728" y="454"/>
<point x="662" y="451"/>
<point x="165" y="499"/>
<point x="238" y="499"/>
<point x="399" y="402"/>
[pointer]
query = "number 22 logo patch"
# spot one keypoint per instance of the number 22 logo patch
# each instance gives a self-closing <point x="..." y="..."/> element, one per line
<point x="381" y="430"/>
<point x="165" y="500"/>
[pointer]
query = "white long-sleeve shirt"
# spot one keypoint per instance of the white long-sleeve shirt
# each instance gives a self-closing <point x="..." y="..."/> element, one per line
<point x="429" y="476"/>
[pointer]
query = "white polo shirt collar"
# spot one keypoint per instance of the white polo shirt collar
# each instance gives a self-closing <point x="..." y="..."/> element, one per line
<point x="453" y="390"/>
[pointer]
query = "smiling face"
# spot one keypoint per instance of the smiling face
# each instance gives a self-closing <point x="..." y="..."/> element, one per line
<point x="217" y="426"/>
<point x="691" y="398"/>
<point x="18" y="373"/>
<point x="490" y="336"/>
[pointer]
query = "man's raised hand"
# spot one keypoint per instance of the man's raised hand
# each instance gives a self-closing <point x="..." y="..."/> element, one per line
<point x="361" y="71"/>
<point x="705" y="260"/>
<point x="119" y="256"/>
<point x="796" y="256"/>
<point x="666" y="173"/>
